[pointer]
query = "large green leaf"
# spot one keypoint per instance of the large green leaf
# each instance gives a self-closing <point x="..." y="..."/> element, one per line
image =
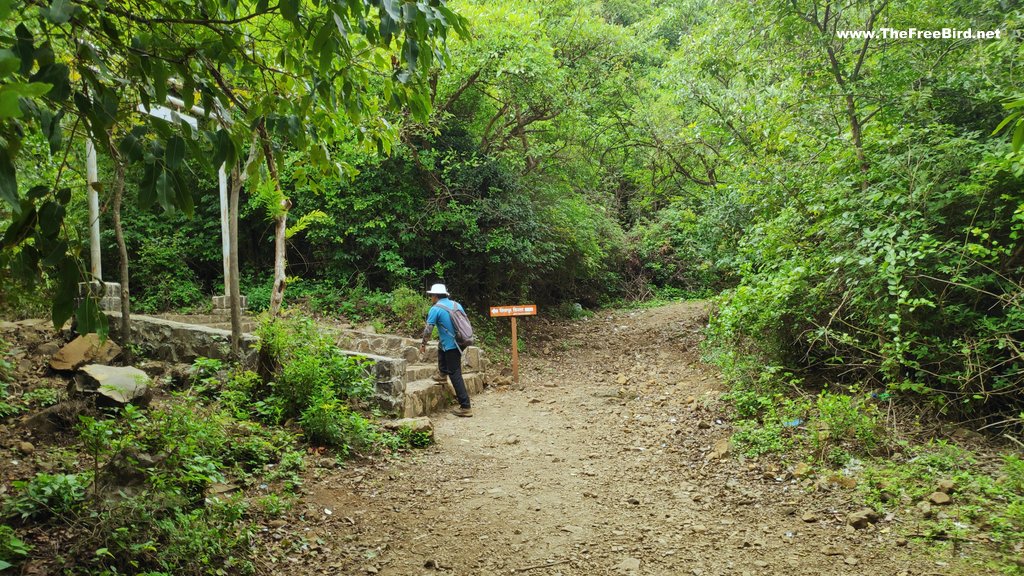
<point x="60" y="11"/>
<point x="57" y="75"/>
<point x="91" y="319"/>
<point x="51" y="218"/>
<point x="63" y="305"/>
<point x="22" y="225"/>
<point x="175" y="152"/>
<point x="24" y="48"/>
<point x="11" y="94"/>
<point x="8" y="181"/>
<point x="9" y="62"/>
<point x="50" y="123"/>
<point x="290" y="11"/>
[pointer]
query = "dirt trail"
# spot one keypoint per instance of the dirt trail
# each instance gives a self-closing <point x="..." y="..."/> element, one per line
<point x="599" y="465"/>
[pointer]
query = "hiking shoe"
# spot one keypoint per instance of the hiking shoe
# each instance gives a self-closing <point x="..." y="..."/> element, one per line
<point x="463" y="412"/>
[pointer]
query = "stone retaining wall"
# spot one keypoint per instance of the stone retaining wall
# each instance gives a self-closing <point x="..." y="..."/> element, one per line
<point x="173" y="341"/>
<point x="390" y="355"/>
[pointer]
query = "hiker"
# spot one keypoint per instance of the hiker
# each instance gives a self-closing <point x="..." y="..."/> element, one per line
<point x="449" y="356"/>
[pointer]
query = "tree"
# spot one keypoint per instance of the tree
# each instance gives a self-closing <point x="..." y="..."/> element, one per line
<point x="280" y="71"/>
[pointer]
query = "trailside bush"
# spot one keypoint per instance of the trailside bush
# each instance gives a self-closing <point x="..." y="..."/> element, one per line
<point x="912" y="291"/>
<point x="410" y="308"/>
<point x="313" y="381"/>
<point x="47" y="495"/>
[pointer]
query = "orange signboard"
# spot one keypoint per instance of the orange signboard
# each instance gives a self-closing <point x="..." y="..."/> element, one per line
<point x="515" y="310"/>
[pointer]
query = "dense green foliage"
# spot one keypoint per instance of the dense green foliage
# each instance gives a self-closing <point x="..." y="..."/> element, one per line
<point x="265" y="75"/>
<point x="881" y="221"/>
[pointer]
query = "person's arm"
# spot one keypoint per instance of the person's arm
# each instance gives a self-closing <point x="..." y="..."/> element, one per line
<point x="428" y="330"/>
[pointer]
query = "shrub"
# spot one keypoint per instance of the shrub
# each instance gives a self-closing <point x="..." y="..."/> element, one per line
<point x="12" y="548"/>
<point x="303" y="360"/>
<point x="414" y="439"/>
<point x="330" y="422"/>
<point x="757" y="438"/>
<point x="149" y="533"/>
<point x="409" y="308"/>
<point x="47" y="495"/>
<point x="41" y="397"/>
<point x="844" y="420"/>
<point x="162" y="282"/>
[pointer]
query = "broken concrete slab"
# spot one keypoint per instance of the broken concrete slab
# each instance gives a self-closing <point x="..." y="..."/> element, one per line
<point x="118" y="385"/>
<point x="86" y="349"/>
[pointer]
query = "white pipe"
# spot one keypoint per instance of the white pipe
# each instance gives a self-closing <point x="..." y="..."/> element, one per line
<point x="92" y="183"/>
<point x="225" y="232"/>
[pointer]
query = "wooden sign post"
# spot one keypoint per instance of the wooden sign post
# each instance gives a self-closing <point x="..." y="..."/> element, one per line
<point x="513" y="312"/>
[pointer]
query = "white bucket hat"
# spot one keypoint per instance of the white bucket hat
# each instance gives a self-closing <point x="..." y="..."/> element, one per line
<point x="438" y="290"/>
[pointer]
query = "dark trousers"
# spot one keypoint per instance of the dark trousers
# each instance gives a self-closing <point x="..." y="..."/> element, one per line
<point x="450" y="362"/>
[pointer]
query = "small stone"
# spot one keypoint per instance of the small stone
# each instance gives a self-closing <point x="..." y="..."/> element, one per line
<point x="721" y="449"/>
<point x="862" y="518"/>
<point x="622" y="379"/>
<point x="832" y="551"/>
<point x="809" y="517"/>
<point x="629" y="565"/>
<point x="940" y="498"/>
<point x="802" y="470"/>
<point x="47" y="349"/>
<point x="945" y="486"/>
<point x="851" y="560"/>
<point x="901" y="542"/>
<point x="925" y="508"/>
<point x="421" y="424"/>
<point x="703" y="425"/>
<point x="26" y="448"/>
<point x="275" y="524"/>
<point x="634" y="501"/>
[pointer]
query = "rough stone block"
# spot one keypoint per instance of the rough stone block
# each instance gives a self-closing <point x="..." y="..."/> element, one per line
<point x="99" y="289"/>
<point x="394" y="388"/>
<point x="473" y="358"/>
<point x="411" y="354"/>
<point x="388" y="368"/>
<point x="84" y="350"/>
<point x="222" y="304"/>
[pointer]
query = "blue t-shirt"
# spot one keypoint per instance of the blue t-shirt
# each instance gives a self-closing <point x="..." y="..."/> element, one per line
<point x="441" y="318"/>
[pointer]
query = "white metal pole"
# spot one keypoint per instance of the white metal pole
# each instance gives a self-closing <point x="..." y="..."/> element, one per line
<point x="92" y="183"/>
<point x="225" y="231"/>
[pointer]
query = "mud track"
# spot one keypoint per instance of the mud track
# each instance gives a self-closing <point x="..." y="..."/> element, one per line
<point x="604" y="462"/>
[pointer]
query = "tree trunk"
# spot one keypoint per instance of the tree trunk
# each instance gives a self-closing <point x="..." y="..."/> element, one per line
<point x="122" y="249"/>
<point x="238" y="177"/>
<point x="280" y="229"/>
<point x="280" y="226"/>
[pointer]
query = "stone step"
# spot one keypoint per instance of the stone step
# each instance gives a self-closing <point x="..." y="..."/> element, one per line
<point x="423" y="397"/>
<point x="414" y="372"/>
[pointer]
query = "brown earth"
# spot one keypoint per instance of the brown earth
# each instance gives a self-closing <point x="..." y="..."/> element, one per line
<point x="603" y="462"/>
